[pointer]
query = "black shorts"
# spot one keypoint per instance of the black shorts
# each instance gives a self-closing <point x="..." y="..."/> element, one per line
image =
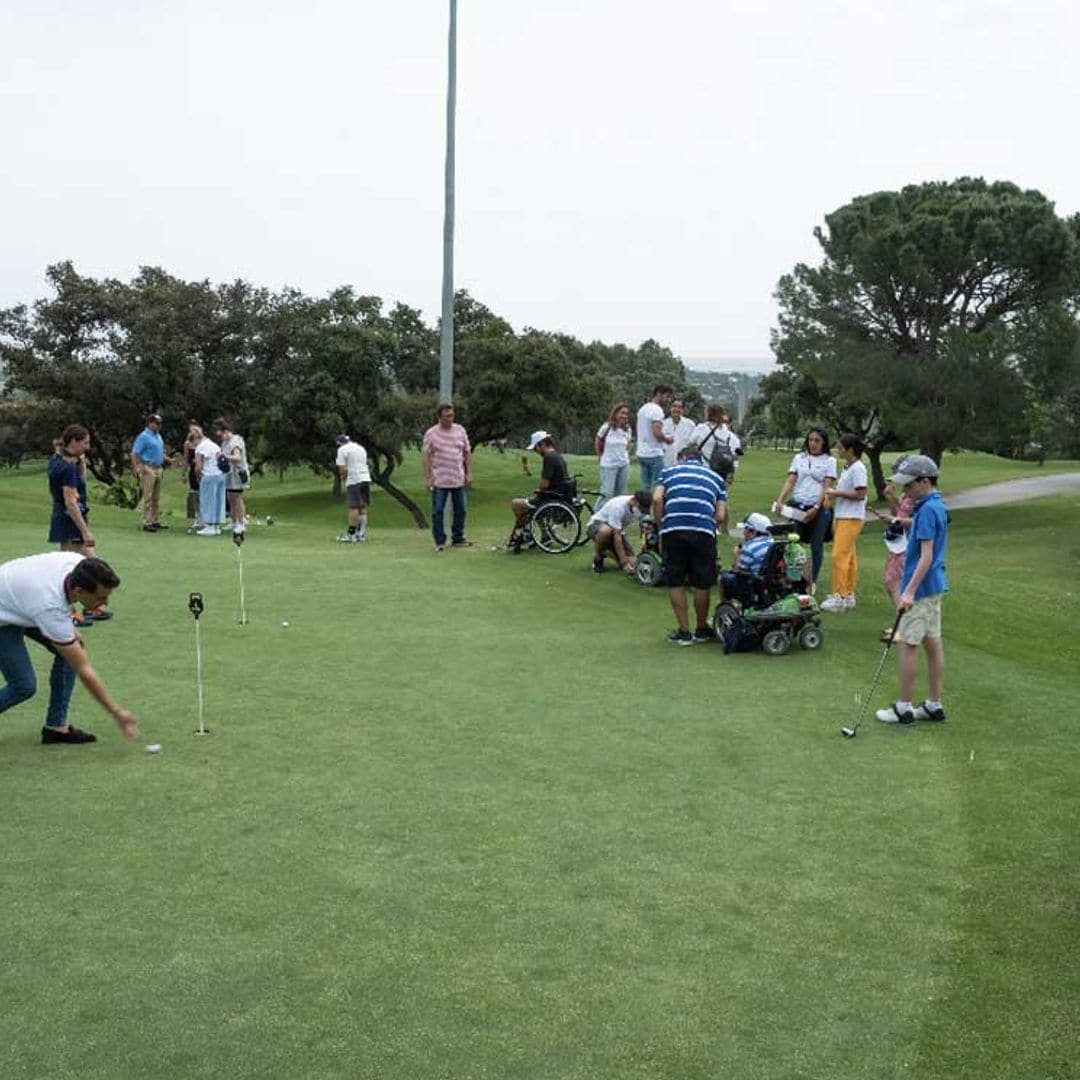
<point x="689" y="559"/>
<point x="358" y="496"/>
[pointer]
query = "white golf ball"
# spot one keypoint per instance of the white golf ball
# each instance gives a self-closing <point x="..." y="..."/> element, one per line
<point x="285" y="622"/>
<point x="153" y="748"/>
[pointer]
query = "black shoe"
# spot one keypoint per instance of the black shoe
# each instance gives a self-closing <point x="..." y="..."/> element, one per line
<point x="150" y="528"/>
<point x="925" y="712"/>
<point x="98" y="614"/>
<point x="681" y="637"/>
<point x="704" y="633"/>
<point x="440" y="547"/>
<point x="72" y="735"/>
<point x="598" y="565"/>
<point x="462" y="543"/>
<point x="160" y="525"/>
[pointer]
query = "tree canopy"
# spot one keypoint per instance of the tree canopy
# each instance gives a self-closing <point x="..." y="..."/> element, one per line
<point x="932" y="308"/>
<point x="292" y="370"/>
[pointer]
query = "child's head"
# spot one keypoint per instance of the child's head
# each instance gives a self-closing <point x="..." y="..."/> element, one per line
<point x="915" y="475"/>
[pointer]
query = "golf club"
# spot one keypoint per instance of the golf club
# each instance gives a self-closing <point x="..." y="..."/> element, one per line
<point x="196" y="607"/>
<point x="238" y="540"/>
<point x="851" y="732"/>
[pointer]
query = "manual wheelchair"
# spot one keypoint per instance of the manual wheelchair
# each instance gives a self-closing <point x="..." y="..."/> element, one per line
<point x="555" y="525"/>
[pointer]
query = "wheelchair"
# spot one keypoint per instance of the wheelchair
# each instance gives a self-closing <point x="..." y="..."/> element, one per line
<point x="555" y="526"/>
<point x="775" y="601"/>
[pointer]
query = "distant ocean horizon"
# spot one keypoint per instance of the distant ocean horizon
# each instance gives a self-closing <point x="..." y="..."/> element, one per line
<point x="757" y="364"/>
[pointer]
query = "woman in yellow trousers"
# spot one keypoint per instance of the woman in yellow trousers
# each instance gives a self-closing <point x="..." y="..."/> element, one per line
<point x="849" y="514"/>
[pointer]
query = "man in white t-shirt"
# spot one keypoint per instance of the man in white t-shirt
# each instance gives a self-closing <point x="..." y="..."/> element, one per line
<point x="352" y="467"/>
<point x="715" y="430"/>
<point x="607" y="529"/>
<point x="680" y="428"/>
<point x="36" y="596"/>
<point x="651" y="439"/>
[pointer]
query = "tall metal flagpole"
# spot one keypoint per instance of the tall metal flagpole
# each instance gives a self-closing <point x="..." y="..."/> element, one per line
<point x="446" y="346"/>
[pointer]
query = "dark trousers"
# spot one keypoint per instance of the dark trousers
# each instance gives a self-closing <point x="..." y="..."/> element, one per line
<point x="814" y="533"/>
<point x="438" y="514"/>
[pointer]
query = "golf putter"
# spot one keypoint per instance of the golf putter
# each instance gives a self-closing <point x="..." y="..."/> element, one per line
<point x="197" y="607"/>
<point x="851" y="732"/>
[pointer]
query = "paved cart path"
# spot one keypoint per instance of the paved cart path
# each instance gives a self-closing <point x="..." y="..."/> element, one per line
<point x="1010" y="491"/>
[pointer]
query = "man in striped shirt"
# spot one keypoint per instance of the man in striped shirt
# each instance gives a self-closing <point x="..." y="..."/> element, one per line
<point x="690" y="502"/>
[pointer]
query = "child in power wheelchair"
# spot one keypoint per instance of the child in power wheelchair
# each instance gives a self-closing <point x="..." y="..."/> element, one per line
<point x="765" y="598"/>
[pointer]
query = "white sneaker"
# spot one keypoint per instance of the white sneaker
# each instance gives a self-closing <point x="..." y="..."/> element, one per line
<point x="833" y="603"/>
<point x="849" y="602"/>
<point x="209" y="530"/>
<point x="347" y="538"/>
<point x="892" y="715"/>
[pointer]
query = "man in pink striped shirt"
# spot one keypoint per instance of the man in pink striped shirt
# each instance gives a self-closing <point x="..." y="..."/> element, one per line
<point x="447" y="458"/>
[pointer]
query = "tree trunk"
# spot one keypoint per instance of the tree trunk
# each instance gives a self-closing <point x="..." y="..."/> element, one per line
<point x="381" y="475"/>
<point x="874" y="454"/>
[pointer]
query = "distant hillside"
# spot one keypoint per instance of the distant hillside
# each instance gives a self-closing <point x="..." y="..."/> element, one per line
<point x="734" y="388"/>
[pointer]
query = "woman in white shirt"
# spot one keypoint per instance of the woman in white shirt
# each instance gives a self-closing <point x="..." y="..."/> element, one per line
<point x="806" y="488"/>
<point x="211" y="487"/>
<point x="613" y="448"/>
<point x="849" y="514"/>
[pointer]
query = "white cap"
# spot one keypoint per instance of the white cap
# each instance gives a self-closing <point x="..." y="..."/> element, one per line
<point x="536" y="438"/>
<point x="758" y="522"/>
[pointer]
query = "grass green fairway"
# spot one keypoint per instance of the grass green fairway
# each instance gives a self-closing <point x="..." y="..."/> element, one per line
<point x="468" y="816"/>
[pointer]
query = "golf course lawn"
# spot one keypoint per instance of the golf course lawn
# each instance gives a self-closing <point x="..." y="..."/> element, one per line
<point x="468" y="815"/>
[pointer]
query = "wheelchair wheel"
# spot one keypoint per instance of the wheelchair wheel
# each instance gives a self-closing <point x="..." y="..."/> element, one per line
<point x="776" y="642"/>
<point x="555" y="528"/>
<point x="648" y="568"/>
<point x="723" y="617"/>
<point x="810" y="637"/>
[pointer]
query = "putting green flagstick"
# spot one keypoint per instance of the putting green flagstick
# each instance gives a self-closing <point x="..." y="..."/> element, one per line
<point x="197" y="607"/>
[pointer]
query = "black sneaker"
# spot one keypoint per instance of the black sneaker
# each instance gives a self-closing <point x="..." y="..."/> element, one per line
<point x="72" y="735"/>
<point x="704" y="633"/>
<point x="150" y="528"/>
<point x="461" y="543"/>
<point x="925" y="712"/>
<point x="893" y="715"/>
<point x="98" y="614"/>
<point x="160" y="525"/>
<point x="681" y="637"/>
<point x="598" y="565"/>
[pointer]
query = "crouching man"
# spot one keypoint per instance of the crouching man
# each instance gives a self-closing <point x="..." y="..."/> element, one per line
<point x="36" y="595"/>
<point x="607" y="529"/>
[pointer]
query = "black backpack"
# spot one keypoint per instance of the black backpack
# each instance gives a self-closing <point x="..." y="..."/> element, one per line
<point x="721" y="457"/>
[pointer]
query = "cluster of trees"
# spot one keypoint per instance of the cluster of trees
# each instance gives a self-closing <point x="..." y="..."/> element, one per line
<point x="293" y="370"/>
<point x="941" y="316"/>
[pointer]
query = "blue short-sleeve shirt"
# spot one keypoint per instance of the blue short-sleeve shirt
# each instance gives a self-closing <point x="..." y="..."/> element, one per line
<point x="929" y="523"/>
<point x="149" y="447"/>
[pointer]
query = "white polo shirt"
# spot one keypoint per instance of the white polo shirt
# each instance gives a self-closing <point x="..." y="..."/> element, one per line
<point x="32" y="594"/>
<point x="354" y="457"/>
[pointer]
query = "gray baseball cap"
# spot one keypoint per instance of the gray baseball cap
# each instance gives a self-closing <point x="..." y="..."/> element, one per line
<point x="915" y="467"/>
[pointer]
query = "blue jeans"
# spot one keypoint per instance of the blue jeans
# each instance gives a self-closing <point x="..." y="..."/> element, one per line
<point x="212" y="499"/>
<point x="651" y="468"/>
<point x="21" y="683"/>
<point x="438" y="514"/>
<point x="613" y="481"/>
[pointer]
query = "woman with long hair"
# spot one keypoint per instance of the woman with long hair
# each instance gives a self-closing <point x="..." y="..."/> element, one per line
<point x="849" y="515"/>
<point x="613" y="441"/>
<point x="805" y="495"/>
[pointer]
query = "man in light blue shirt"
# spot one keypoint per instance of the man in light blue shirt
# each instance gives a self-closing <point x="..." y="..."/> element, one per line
<point x="922" y="586"/>
<point x="147" y="460"/>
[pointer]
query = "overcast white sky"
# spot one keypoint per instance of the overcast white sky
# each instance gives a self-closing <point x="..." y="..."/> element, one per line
<point x="626" y="169"/>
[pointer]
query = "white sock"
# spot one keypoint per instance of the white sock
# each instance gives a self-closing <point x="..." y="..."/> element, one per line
<point x="903" y="706"/>
<point x="933" y="704"/>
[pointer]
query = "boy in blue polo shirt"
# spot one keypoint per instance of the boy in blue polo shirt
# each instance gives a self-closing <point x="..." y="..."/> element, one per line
<point x="921" y="588"/>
